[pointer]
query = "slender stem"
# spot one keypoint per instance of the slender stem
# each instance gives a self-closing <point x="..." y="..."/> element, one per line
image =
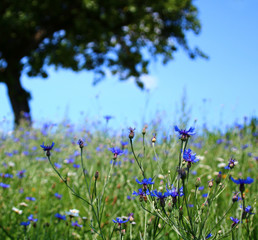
<point x="65" y="181"/>
<point x="187" y="207"/>
<point x="156" y="156"/>
<point x="131" y="142"/>
<point x="222" y="217"/>
<point x="84" y="174"/>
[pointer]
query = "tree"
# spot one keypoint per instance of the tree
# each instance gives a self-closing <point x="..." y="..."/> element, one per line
<point x="89" y="35"/>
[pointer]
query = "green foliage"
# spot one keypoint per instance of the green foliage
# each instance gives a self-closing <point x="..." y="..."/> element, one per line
<point x="94" y="34"/>
<point x="42" y="182"/>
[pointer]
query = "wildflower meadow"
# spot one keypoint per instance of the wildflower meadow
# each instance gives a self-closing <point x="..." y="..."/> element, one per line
<point x="143" y="182"/>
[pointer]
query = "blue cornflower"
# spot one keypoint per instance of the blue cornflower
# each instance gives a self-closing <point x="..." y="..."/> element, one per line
<point x="59" y="216"/>
<point x="174" y="193"/>
<point x="20" y="174"/>
<point x="242" y="182"/>
<point x="190" y="157"/>
<point x="58" y="196"/>
<point x="3" y="185"/>
<point x="30" y="198"/>
<point x="235" y="221"/>
<point x="76" y="165"/>
<point x="185" y="134"/>
<point x="57" y="165"/>
<point x="205" y="195"/>
<point x="219" y="141"/>
<point x="145" y="182"/>
<point x="47" y="148"/>
<point x="30" y="218"/>
<point x="161" y="196"/>
<point x="208" y="236"/>
<point x="76" y="224"/>
<point x="124" y="143"/>
<point x="6" y="175"/>
<point x="201" y="188"/>
<point x="231" y="163"/>
<point x="116" y="151"/>
<point x="25" y="223"/>
<point x="120" y="221"/>
<point x="248" y="209"/>
<point x="108" y="117"/>
<point x="80" y="143"/>
<point x="141" y="193"/>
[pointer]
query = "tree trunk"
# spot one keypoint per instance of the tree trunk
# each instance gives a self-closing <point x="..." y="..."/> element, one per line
<point x="18" y="96"/>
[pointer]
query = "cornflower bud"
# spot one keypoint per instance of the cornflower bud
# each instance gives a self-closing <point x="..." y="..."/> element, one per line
<point x="96" y="175"/>
<point x="235" y="197"/>
<point x="210" y="183"/>
<point x="153" y="140"/>
<point x="218" y="178"/>
<point x="198" y="182"/>
<point x="131" y="134"/>
<point x="170" y="208"/>
<point x="80" y="143"/>
<point x="144" y="130"/>
<point x="182" y="173"/>
<point x="180" y="212"/>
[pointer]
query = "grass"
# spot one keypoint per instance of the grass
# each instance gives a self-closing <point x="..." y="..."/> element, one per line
<point x="110" y="194"/>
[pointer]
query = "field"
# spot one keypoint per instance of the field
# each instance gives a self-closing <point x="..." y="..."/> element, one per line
<point x="84" y="190"/>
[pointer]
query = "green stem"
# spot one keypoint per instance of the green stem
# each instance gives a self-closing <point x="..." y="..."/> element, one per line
<point x="131" y="143"/>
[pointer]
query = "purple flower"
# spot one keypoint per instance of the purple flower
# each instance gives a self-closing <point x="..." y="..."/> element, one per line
<point x="159" y="195"/>
<point x="141" y="193"/>
<point x="59" y="216"/>
<point x="184" y="134"/>
<point x="80" y="143"/>
<point x="57" y="165"/>
<point x="76" y="224"/>
<point x="76" y="165"/>
<point x="30" y="218"/>
<point x="174" y="193"/>
<point x="190" y="157"/>
<point x="120" y="221"/>
<point x="47" y="148"/>
<point x="131" y="132"/>
<point x="231" y="163"/>
<point x="248" y="209"/>
<point x="6" y="175"/>
<point x="219" y="141"/>
<point x="58" y="196"/>
<point x="116" y="151"/>
<point x="235" y="221"/>
<point x="3" y="185"/>
<point x="30" y="198"/>
<point x="20" y="174"/>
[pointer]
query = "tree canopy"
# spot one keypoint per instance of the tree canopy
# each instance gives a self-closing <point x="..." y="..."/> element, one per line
<point x="89" y="35"/>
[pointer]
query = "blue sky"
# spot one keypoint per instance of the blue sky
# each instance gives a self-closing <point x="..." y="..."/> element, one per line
<point x="220" y="90"/>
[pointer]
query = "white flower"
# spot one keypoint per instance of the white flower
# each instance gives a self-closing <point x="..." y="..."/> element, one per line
<point x="23" y="204"/>
<point x="200" y="157"/>
<point x="222" y="165"/>
<point x="18" y="211"/>
<point x="73" y="213"/>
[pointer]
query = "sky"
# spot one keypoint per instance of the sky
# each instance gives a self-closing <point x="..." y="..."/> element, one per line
<point x="219" y="91"/>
